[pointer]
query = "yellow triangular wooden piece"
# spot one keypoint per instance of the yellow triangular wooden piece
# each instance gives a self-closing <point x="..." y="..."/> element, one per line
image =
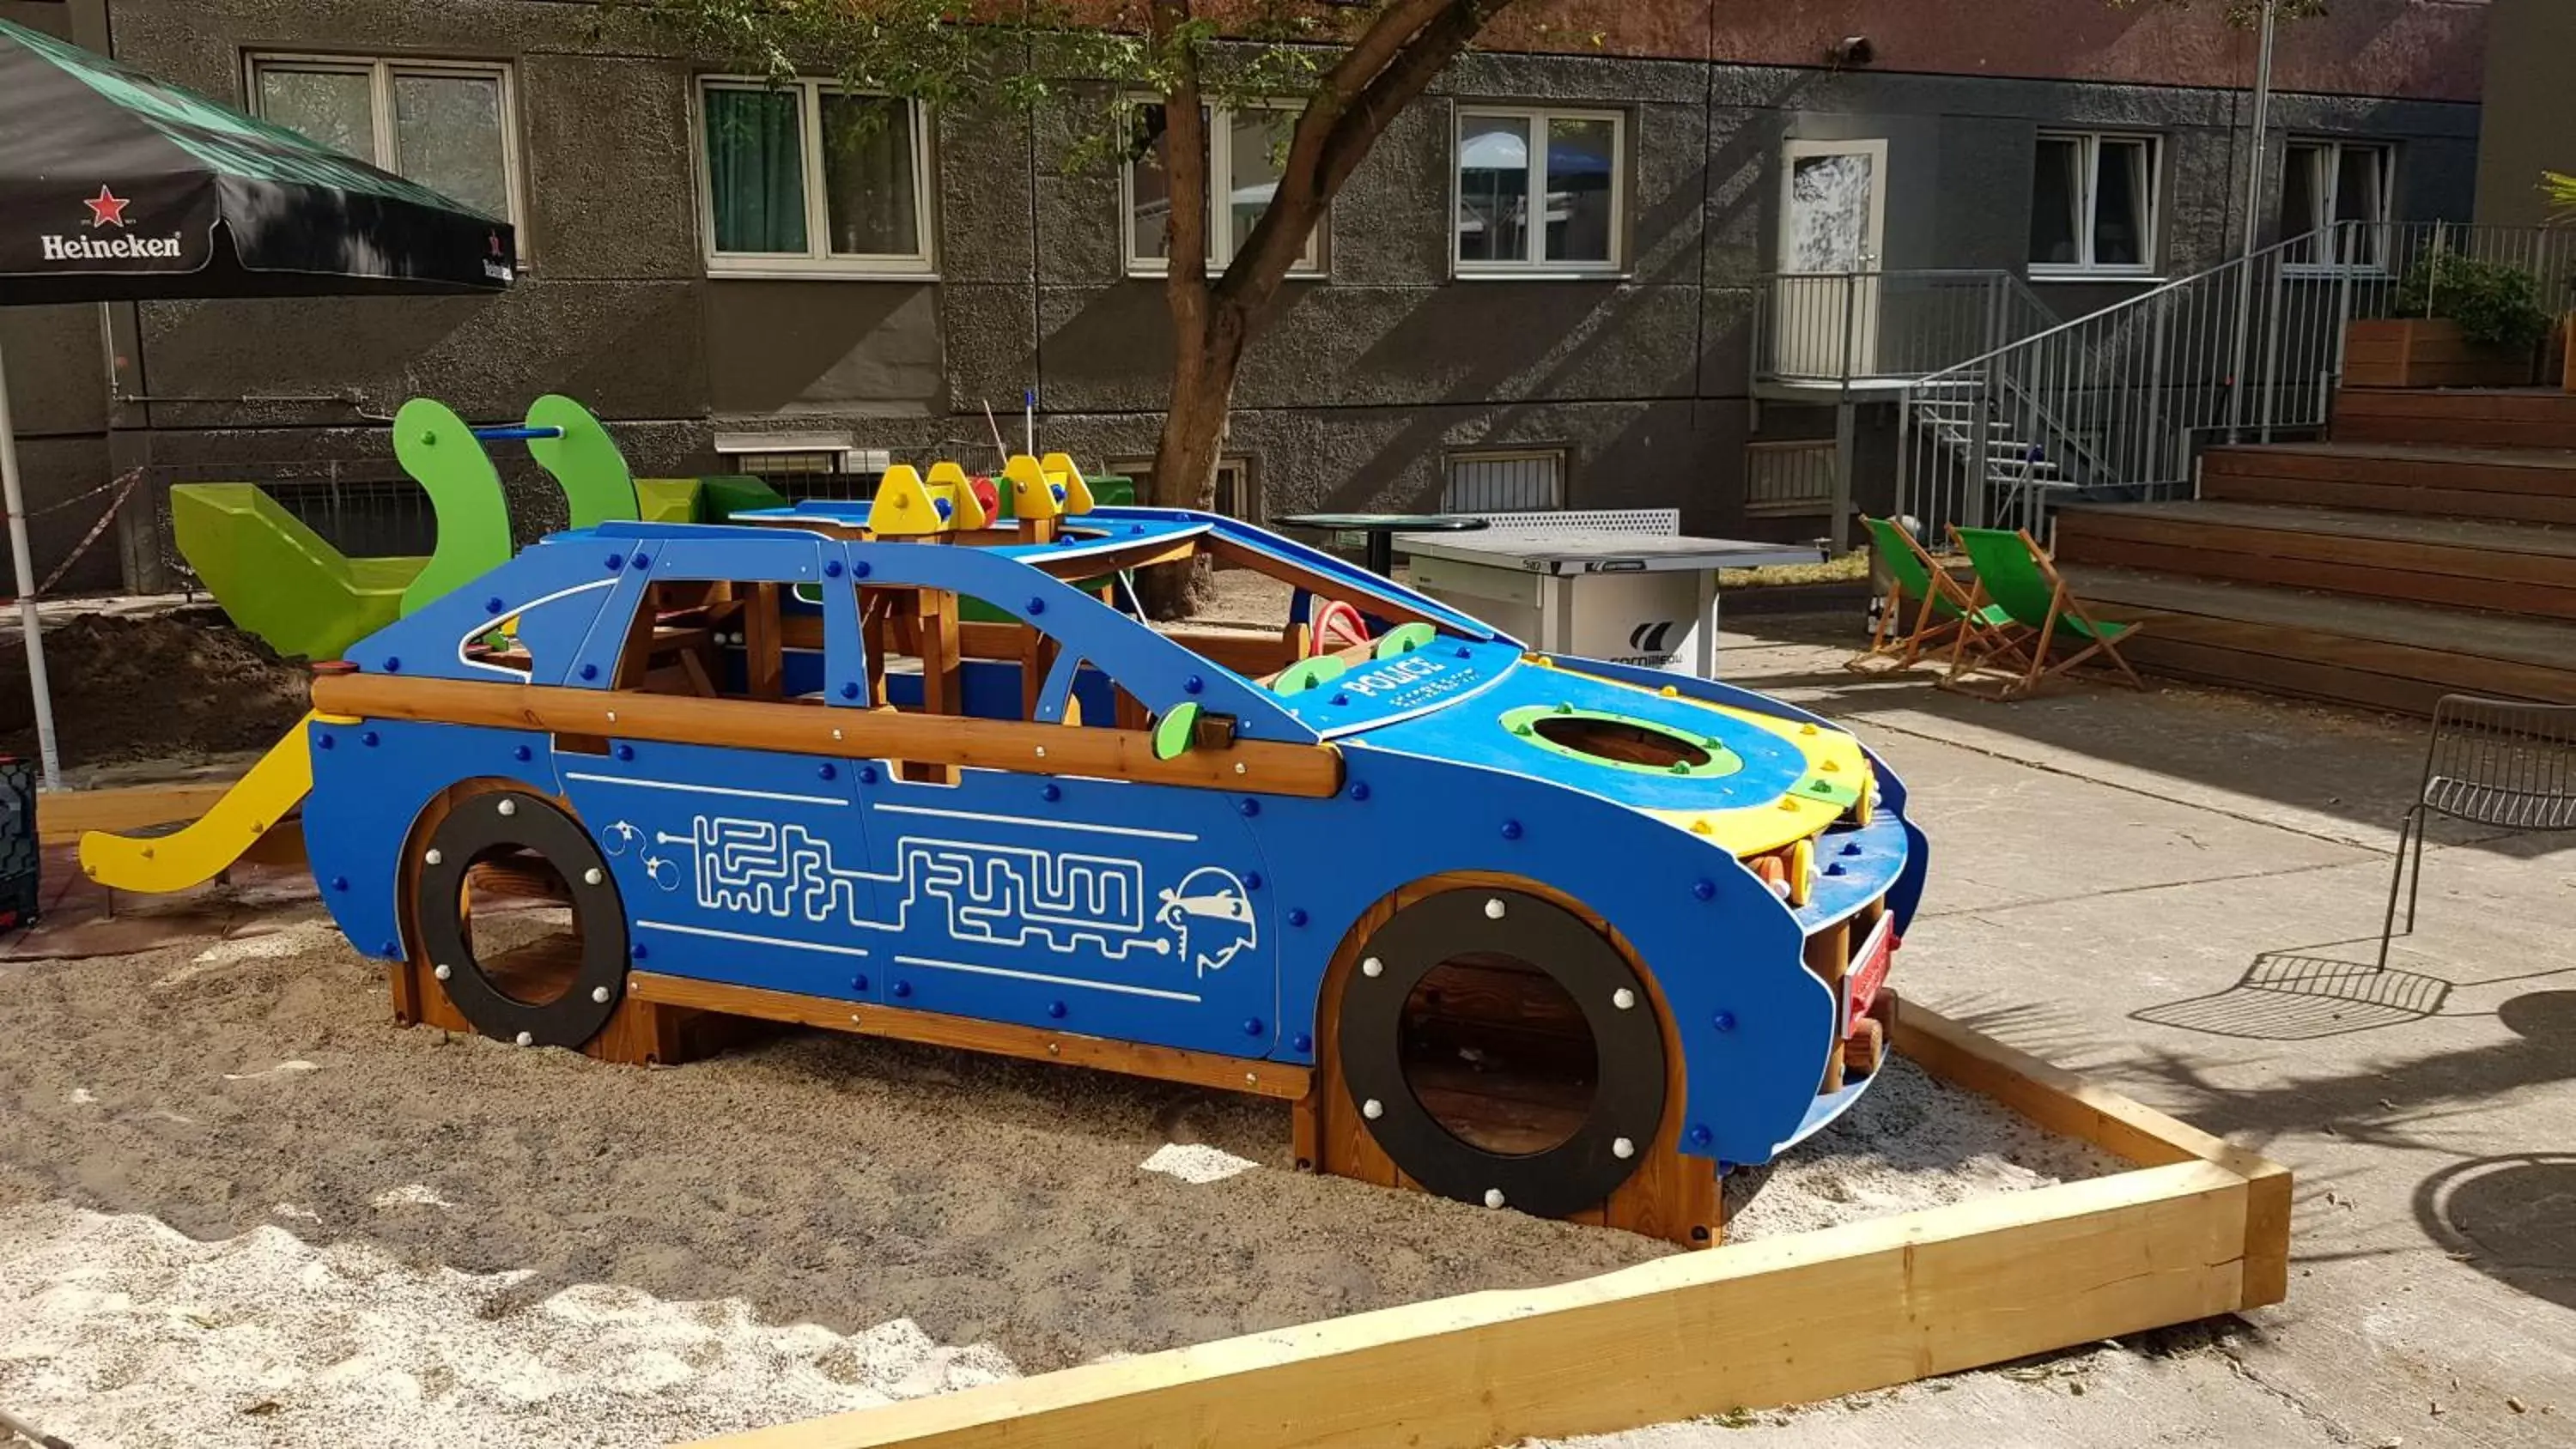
<point x="1060" y="473"/>
<point x="949" y="481"/>
<point x="1031" y="497"/>
<point x="903" y="507"/>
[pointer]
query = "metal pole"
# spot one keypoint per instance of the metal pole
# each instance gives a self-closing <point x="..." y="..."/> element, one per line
<point x="1845" y="443"/>
<point x="2253" y="223"/>
<point x="14" y="498"/>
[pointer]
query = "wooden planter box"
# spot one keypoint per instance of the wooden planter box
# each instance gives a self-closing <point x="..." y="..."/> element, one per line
<point x="2427" y="352"/>
<point x="2196" y="1229"/>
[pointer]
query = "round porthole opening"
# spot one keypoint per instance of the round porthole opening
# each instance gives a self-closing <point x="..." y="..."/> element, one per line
<point x="1499" y="1054"/>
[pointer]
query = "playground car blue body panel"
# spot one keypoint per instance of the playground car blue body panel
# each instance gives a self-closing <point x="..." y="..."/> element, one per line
<point x="1185" y="917"/>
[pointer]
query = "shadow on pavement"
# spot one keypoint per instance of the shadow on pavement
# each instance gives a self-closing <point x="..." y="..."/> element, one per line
<point x="2346" y="764"/>
<point x="2295" y="995"/>
<point x="2512" y="1218"/>
<point x="2379" y="1102"/>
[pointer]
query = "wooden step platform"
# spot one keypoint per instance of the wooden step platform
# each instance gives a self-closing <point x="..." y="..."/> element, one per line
<point x="2512" y="568"/>
<point x="2369" y="652"/>
<point x="2507" y="485"/>
<point x="2456" y="417"/>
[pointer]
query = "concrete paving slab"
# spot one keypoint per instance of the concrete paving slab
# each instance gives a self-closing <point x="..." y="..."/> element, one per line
<point x="2179" y="894"/>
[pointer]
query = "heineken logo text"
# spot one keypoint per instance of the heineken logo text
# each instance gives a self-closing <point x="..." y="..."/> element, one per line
<point x="60" y="248"/>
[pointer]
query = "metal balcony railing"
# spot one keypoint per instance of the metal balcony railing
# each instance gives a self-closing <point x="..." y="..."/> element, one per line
<point x="1846" y="329"/>
<point x="2118" y="405"/>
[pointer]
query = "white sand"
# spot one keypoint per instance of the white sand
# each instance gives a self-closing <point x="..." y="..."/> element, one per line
<point x="1196" y="1162"/>
<point x="122" y="1334"/>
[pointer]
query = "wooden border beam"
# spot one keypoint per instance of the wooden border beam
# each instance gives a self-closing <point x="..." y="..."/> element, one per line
<point x="63" y="816"/>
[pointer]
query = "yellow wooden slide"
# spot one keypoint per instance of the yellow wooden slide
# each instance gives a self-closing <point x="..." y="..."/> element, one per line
<point x="270" y="792"/>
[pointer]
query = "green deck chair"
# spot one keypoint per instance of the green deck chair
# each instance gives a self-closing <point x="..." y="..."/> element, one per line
<point x="2016" y="573"/>
<point x="1944" y="609"/>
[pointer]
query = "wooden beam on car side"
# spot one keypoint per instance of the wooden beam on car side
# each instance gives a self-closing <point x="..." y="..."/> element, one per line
<point x="1253" y="766"/>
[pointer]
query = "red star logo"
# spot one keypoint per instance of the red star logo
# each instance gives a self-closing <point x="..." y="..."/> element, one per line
<point x="106" y="209"/>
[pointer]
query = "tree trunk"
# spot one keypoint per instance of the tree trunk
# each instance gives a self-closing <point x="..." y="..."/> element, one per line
<point x="1203" y="367"/>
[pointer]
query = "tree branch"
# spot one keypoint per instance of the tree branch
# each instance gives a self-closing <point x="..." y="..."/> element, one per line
<point x="1185" y="169"/>
<point x="1336" y="132"/>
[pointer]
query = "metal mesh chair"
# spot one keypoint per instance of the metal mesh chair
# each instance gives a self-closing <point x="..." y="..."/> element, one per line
<point x="2493" y="762"/>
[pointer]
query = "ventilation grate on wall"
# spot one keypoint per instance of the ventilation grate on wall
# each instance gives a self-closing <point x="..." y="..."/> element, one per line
<point x="1788" y="479"/>
<point x="1515" y="482"/>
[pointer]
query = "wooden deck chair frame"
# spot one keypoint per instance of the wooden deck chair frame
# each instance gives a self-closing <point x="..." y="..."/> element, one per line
<point x="2032" y="661"/>
<point x="1928" y="632"/>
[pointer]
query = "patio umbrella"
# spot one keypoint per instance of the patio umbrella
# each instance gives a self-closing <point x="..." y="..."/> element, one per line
<point x="117" y="187"/>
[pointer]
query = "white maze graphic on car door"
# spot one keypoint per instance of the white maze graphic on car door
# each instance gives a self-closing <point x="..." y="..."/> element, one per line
<point x="1008" y="896"/>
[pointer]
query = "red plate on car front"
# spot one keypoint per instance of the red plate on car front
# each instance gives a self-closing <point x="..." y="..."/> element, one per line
<point x="1868" y="973"/>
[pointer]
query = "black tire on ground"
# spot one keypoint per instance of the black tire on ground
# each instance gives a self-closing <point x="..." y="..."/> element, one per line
<point x="1627" y="1104"/>
<point x="506" y="820"/>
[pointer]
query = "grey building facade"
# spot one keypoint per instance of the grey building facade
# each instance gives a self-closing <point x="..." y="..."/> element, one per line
<point x="1401" y="372"/>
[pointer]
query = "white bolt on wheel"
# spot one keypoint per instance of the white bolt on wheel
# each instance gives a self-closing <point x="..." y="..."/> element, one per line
<point x="600" y="995"/>
<point x="1622" y="1148"/>
<point x="527" y="1039"/>
<point x="1494" y="909"/>
<point x="508" y="807"/>
<point x="434" y="856"/>
<point x="593" y="876"/>
<point x="1372" y="1109"/>
<point x="1372" y="967"/>
<point x="1623" y="998"/>
<point x="1493" y="1197"/>
<point x="442" y="972"/>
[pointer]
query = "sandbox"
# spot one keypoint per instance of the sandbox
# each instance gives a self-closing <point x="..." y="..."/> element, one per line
<point x="2196" y="1228"/>
<point x="820" y="1220"/>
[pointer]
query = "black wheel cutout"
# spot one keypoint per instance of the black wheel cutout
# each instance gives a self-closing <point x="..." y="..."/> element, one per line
<point x="1500" y="1051"/>
<point x="520" y="921"/>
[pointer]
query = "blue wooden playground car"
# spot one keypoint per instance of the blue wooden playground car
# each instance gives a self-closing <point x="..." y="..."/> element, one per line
<point x="1546" y="933"/>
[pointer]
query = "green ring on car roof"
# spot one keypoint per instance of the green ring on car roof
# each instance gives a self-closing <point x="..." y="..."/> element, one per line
<point x="1647" y="747"/>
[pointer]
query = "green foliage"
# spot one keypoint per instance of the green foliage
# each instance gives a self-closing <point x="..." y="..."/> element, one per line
<point x="2560" y="188"/>
<point x="2493" y="302"/>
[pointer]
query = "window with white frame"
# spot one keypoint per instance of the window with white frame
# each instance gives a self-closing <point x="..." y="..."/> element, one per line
<point x="768" y="455"/>
<point x="1523" y="480"/>
<point x="806" y="177"/>
<point x="448" y="125"/>
<point x="2093" y="204"/>
<point x="1540" y="190"/>
<point x="1242" y="166"/>
<point x="1237" y="496"/>
<point x="2339" y="194"/>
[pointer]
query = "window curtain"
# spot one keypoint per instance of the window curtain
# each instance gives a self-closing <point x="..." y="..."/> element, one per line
<point x="867" y="177"/>
<point x="756" y="169"/>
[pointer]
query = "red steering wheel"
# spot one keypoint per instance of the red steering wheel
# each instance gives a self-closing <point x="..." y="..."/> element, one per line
<point x="1335" y="627"/>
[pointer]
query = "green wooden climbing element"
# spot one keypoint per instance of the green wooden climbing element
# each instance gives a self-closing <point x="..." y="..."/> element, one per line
<point x="1176" y="730"/>
<point x="1305" y="674"/>
<point x="277" y="578"/>
<point x="584" y="461"/>
<point x="666" y="500"/>
<point x="442" y="455"/>
<point x="725" y="494"/>
<point x="1404" y="639"/>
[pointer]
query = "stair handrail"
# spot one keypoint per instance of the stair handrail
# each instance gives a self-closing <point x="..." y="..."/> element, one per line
<point x="2111" y="395"/>
<point x="2126" y="304"/>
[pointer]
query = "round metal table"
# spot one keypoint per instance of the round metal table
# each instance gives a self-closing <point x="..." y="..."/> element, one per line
<point x="1381" y="529"/>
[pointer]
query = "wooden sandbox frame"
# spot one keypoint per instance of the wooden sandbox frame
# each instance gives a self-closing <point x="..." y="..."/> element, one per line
<point x="2198" y="1228"/>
